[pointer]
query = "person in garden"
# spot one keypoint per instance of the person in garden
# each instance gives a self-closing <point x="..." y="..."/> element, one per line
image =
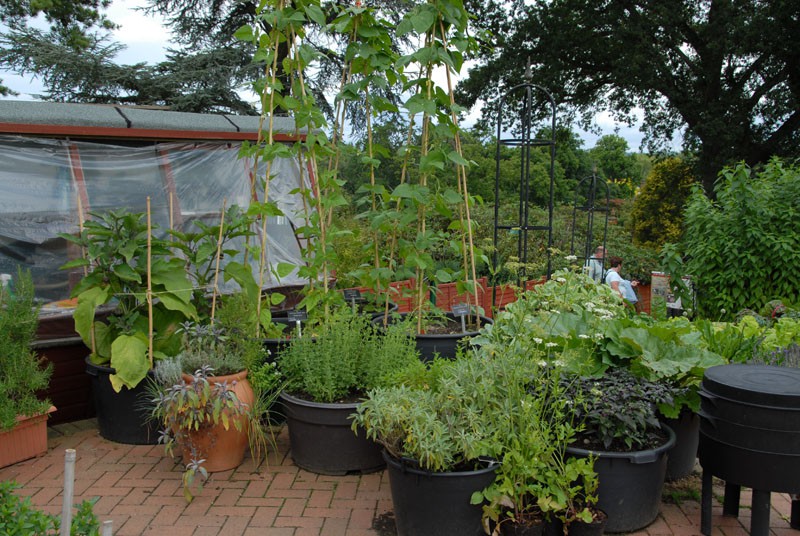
<point x="616" y="282"/>
<point x="594" y="266"/>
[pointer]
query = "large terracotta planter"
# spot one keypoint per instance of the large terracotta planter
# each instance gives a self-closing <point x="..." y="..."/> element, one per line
<point x="222" y="449"/>
<point x="28" y="439"/>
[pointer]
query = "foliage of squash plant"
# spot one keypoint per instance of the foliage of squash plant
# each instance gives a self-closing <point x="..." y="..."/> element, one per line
<point x="743" y="249"/>
<point x="22" y="372"/>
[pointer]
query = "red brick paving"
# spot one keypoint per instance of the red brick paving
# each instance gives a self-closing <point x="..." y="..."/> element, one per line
<point x="139" y="489"/>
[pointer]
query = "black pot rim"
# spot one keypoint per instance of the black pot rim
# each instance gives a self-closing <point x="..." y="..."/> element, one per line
<point x="637" y="457"/>
<point x="440" y="336"/>
<point x="397" y="464"/>
<point x="311" y="404"/>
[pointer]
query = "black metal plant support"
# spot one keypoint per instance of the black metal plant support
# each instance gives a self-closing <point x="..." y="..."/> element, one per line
<point x="587" y="192"/>
<point x="533" y="99"/>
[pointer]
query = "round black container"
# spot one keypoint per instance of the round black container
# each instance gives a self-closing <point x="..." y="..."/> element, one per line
<point x="687" y="436"/>
<point x="436" y="504"/>
<point x="121" y="417"/>
<point x="750" y="426"/>
<point x="322" y="440"/>
<point x="275" y="346"/>
<point x="630" y="484"/>
<point x="444" y="345"/>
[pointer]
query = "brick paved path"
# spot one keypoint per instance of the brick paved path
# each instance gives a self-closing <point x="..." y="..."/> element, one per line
<point x="139" y="489"/>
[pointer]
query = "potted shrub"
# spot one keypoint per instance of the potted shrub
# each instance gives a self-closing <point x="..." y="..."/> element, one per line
<point x="537" y="482"/>
<point x="211" y="414"/>
<point x="621" y="428"/>
<point x="327" y="372"/>
<point x="438" y="423"/>
<point x="533" y="475"/>
<point x="118" y="248"/>
<point x="150" y="286"/>
<point x="23" y="416"/>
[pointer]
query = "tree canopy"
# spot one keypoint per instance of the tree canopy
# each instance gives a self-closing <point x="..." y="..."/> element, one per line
<point x="725" y="73"/>
<point x="71" y="24"/>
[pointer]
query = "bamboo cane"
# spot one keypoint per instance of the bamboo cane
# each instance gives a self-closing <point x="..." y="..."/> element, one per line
<point x="215" y="289"/>
<point x="149" y="284"/>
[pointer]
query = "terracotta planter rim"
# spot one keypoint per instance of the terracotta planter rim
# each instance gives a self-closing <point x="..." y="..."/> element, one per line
<point x="238" y="376"/>
<point x="21" y="418"/>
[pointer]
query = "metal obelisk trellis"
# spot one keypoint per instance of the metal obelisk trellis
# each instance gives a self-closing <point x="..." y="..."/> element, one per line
<point x="532" y="98"/>
<point x="586" y="200"/>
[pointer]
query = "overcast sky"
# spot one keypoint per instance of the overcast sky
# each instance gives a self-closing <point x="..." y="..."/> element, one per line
<point x="146" y="40"/>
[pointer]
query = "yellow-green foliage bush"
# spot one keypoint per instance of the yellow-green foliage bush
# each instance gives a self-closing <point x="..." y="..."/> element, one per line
<point x="658" y="209"/>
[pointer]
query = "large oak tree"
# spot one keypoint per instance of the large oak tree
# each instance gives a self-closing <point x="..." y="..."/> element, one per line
<point x="725" y="72"/>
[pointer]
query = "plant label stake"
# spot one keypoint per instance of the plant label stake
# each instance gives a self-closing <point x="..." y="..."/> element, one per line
<point x="352" y="295"/>
<point x="461" y="310"/>
<point x="298" y="317"/>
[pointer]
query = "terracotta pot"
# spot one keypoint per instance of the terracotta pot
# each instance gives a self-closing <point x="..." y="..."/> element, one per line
<point x="26" y="440"/>
<point x="222" y="449"/>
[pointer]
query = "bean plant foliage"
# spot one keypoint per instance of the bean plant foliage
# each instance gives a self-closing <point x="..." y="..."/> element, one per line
<point x="743" y="249"/>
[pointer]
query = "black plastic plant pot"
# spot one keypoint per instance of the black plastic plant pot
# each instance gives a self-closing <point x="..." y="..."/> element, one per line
<point x="683" y="456"/>
<point x="121" y="417"/>
<point x="275" y="346"/>
<point x="595" y="528"/>
<point x="446" y="345"/>
<point x="630" y="484"/>
<point x="436" y="504"/>
<point x="322" y="441"/>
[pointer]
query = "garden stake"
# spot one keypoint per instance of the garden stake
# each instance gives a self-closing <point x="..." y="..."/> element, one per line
<point x="69" y="488"/>
<point x="107" y="526"/>
<point x="149" y="284"/>
<point x="216" y="268"/>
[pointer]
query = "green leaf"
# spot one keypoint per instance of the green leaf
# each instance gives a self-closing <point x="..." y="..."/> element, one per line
<point x="315" y="13"/>
<point x="88" y="301"/>
<point x="245" y="33"/>
<point x="126" y="273"/>
<point x="175" y="280"/>
<point x="130" y="361"/>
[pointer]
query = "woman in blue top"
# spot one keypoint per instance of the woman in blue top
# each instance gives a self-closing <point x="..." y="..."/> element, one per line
<point x="616" y="282"/>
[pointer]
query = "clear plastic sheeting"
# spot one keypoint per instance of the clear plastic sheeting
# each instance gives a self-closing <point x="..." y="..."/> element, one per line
<point x="42" y="181"/>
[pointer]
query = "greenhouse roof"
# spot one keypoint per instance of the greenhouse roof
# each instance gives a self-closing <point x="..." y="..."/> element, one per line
<point x="113" y="121"/>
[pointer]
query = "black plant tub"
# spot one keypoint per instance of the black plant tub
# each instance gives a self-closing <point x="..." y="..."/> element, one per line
<point x="444" y="345"/>
<point x="683" y="456"/>
<point x="322" y="440"/>
<point x="436" y="504"/>
<point x="121" y="417"/>
<point x="630" y="484"/>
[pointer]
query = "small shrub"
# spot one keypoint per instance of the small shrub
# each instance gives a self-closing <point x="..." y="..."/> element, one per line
<point x="743" y="249"/>
<point x="22" y="373"/>
<point x="658" y="209"/>
<point x="18" y="517"/>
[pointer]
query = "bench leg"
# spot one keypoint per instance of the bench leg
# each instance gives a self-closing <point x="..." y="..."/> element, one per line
<point x="759" y="524"/>
<point x="794" y="520"/>
<point x="730" y="506"/>
<point x="705" y="504"/>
